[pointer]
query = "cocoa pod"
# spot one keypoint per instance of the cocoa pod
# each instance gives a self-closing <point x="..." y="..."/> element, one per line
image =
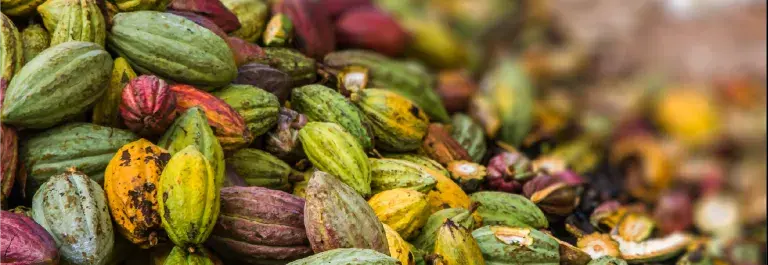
<point x="404" y="210"/>
<point x="314" y="30"/>
<point x="260" y="226"/>
<point x="421" y="161"/>
<point x="428" y="234"/>
<point x="434" y="43"/>
<point x="259" y="168"/>
<point x="284" y="141"/>
<point x="252" y="15"/>
<point x="258" y="108"/>
<point x="73" y="209"/>
<point x="501" y="208"/>
<point x="455" y="89"/>
<point x="211" y="9"/>
<point x="387" y="174"/>
<point x="202" y="21"/>
<point x="34" y="39"/>
<point x="502" y="244"/>
<point x="81" y="20"/>
<point x="16" y="8"/>
<point x="245" y="52"/>
<point x="350" y="256"/>
<point x="106" y="112"/>
<point x="300" y="68"/>
<point x="398" y="124"/>
<point x="454" y="244"/>
<point x="398" y="247"/>
<point x="26" y="242"/>
<point x="446" y="194"/>
<point x="469" y="135"/>
<point x="323" y="104"/>
<point x="148" y="106"/>
<point x="370" y="28"/>
<point x="181" y="256"/>
<point x="11" y="47"/>
<point x="138" y="5"/>
<point x="265" y="77"/>
<point x="441" y="147"/>
<point x="516" y="115"/>
<point x="279" y="31"/>
<point x="335" y="216"/>
<point x="9" y="156"/>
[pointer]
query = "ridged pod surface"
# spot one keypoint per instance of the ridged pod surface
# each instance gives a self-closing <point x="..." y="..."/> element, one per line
<point x="73" y="209"/>
<point x="191" y="128"/>
<point x="515" y="245"/>
<point x="455" y="245"/>
<point x="11" y="52"/>
<point x="335" y="216"/>
<point x="35" y="39"/>
<point x="404" y="210"/>
<point x="188" y="198"/>
<point x="106" y="111"/>
<point x="9" y="157"/>
<point x="172" y="47"/>
<point x="87" y="147"/>
<point x="388" y="173"/>
<point x="78" y="72"/>
<point x="258" y="107"/>
<point x="323" y="104"/>
<point x="180" y="256"/>
<point x="301" y="69"/>
<point x="20" y="8"/>
<point x="25" y="242"/>
<point x="148" y="106"/>
<point x="426" y="238"/>
<point x="410" y="82"/>
<point x="260" y="226"/>
<point x="252" y="15"/>
<point x="446" y="194"/>
<point x="501" y="208"/>
<point x="228" y="126"/>
<point x="420" y="160"/>
<point x="398" y="247"/>
<point x="333" y="150"/>
<point x="259" y="168"/>
<point x="130" y="183"/>
<point x="348" y="256"/>
<point x="398" y="124"/>
<point x="51" y="11"/>
<point x="80" y="20"/>
<point x="470" y="135"/>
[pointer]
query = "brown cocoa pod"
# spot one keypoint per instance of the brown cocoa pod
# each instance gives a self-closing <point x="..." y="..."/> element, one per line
<point x="455" y="89"/>
<point x="148" y="106"/>
<point x="312" y="24"/>
<point x="370" y="28"/>
<point x="25" y="242"/>
<point x="265" y="77"/>
<point x="211" y="9"/>
<point x="441" y="147"/>
<point x="9" y="155"/>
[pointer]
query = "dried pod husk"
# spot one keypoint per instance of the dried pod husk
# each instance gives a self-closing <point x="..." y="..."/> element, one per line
<point x="9" y="157"/>
<point x="244" y="51"/>
<point x="283" y="141"/>
<point x="351" y="256"/>
<point x="259" y="168"/>
<point x="515" y="113"/>
<point x="398" y="124"/>
<point x="598" y="245"/>
<point x="414" y="83"/>
<point x="333" y="150"/>
<point x="373" y="29"/>
<point x="279" y="31"/>
<point x="323" y="104"/>
<point x="420" y="160"/>
<point x="673" y="212"/>
<point x="191" y="128"/>
<point x="446" y="194"/>
<point x="398" y="247"/>
<point x="26" y="242"/>
<point x="206" y="23"/>
<point x="258" y="107"/>
<point x="335" y="216"/>
<point x="454" y="244"/>
<point x="425" y="240"/>
<point x="469" y="135"/>
<point x="570" y="254"/>
<point x="35" y="39"/>
<point x="646" y="165"/>
<point x="11" y="48"/>
<point x="265" y="77"/>
<point x="388" y="173"/>
<point x="404" y="210"/>
<point x="455" y="89"/>
<point x="20" y="8"/>
<point x="441" y="147"/>
<point x="352" y="79"/>
<point x="653" y="250"/>
<point x="554" y="196"/>
<point x="73" y="209"/>
<point x="210" y="9"/>
<point x="260" y="226"/>
<point x="635" y="227"/>
<point x="252" y="15"/>
<point x="607" y="260"/>
<point x="507" y="171"/>
<point x="188" y="198"/>
<point x="313" y="27"/>
<point x="228" y="125"/>
<point x="500" y="208"/>
<point x="130" y="183"/>
<point x="85" y="146"/>
<point x="81" y="20"/>
<point x="506" y="244"/>
<point x="106" y="111"/>
<point x="148" y="106"/>
<point x="470" y="176"/>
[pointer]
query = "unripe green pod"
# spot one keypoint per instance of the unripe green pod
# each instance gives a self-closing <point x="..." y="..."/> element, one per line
<point x="320" y="103"/>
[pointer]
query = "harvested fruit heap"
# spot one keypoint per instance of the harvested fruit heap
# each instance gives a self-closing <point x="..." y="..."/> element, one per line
<point x="357" y="132"/>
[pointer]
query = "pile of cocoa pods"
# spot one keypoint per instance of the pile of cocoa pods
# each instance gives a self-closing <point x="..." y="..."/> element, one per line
<point x="359" y="132"/>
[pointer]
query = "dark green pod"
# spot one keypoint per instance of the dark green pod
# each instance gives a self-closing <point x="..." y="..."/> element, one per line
<point x="300" y="68"/>
<point x="259" y="168"/>
<point x="258" y="107"/>
<point x="470" y="135"/>
<point x="501" y="208"/>
<point x="320" y="103"/>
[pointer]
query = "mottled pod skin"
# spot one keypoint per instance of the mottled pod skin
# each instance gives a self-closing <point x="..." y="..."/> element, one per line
<point x="505" y="244"/>
<point x="73" y="209"/>
<point x="35" y="39"/>
<point x="501" y="208"/>
<point x="106" y="111"/>
<point x="25" y="242"/>
<point x="439" y="145"/>
<point x="420" y="160"/>
<point x="258" y="107"/>
<point x="180" y="256"/>
<point x="350" y="256"/>
<point x="398" y="124"/>
<point x="188" y="198"/>
<point x="9" y="157"/>
<point x="300" y="68"/>
<point x="446" y="194"/>
<point x="426" y="238"/>
<point x="388" y="173"/>
<point x="259" y="168"/>
<point x="454" y="244"/>
<point x="130" y="182"/>
<point x="260" y="226"/>
<point x="335" y="216"/>
<point x="11" y="47"/>
<point x="148" y="106"/>
<point x="469" y="135"/>
<point x="398" y="247"/>
<point x="321" y="103"/>
<point x="252" y="15"/>
<point x="404" y="210"/>
<point x="80" y="20"/>
<point x="18" y="8"/>
<point x="191" y="128"/>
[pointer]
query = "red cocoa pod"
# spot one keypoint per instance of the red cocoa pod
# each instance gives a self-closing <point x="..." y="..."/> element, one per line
<point x="260" y="226"/>
<point x="148" y="106"/>
<point x="228" y="126"/>
<point x="9" y="155"/>
<point x="211" y="9"/>
<point x="507" y="170"/>
<point x="265" y="77"/>
<point x="312" y="25"/>
<point x="455" y="88"/>
<point x="25" y="242"/>
<point x="336" y="8"/>
<point x="202" y="21"/>
<point x="244" y="51"/>
<point x="370" y="28"/>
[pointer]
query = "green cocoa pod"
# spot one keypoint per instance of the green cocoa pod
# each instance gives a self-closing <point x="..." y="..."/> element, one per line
<point x="348" y="256"/>
<point x="191" y="128"/>
<point x="515" y="112"/>
<point x="413" y="83"/>
<point x="320" y="103"/>
<point x="35" y="39"/>
<point x="398" y="124"/>
<point x="252" y="15"/>
<point x="51" y="11"/>
<point x="420" y="160"/>
<point x="188" y="198"/>
<point x="259" y="168"/>
<point x="20" y="8"/>
<point x="387" y="174"/>
<point x="426" y="238"/>
<point x="80" y="20"/>
<point x="180" y="256"/>
<point x="300" y="68"/>
<point x="501" y="208"/>
<point x="11" y="53"/>
<point x="137" y="5"/>
<point x="418" y="255"/>
<point x="73" y="208"/>
<point x="607" y="260"/>
<point x="516" y="245"/>
<point x="172" y="47"/>
<point x="85" y="146"/>
<point x="107" y="110"/>
<point x="331" y="149"/>
<point x="470" y="135"/>
<point x="258" y="107"/>
<point x="30" y="100"/>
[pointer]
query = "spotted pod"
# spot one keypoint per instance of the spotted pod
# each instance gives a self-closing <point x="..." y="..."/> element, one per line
<point x="35" y="39"/>
<point x="258" y="107"/>
<point x="80" y="20"/>
<point x="421" y="161"/>
<point x="73" y="209"/>
<point x="404" y="210"/>
<point x="11" y="49"/>
<point x="252" y="15"/>
<point x="130" y="183"/>
<point x="470" y="135"/>
<point x="333" y="150"/>
<point x="348" y="256"/>
<point x="426" y="238"/>
<point x="191" y="128"/>
<point x="398" y="247"/>
<point x="501" y="208"/>
<point x="301" y="69"/>
<point x="106" y="111"/>
<point x="454" y="244"/>
<point x="388" y="173"/>
<point x="262" y="169"/>
<point x="188" y="198"/>
<point x="446" y="194"/>
<point x="398" y="124"/>
<point x="323" y="104"/>
<point x="26" y="242"/>
<point x="506" y="244"/>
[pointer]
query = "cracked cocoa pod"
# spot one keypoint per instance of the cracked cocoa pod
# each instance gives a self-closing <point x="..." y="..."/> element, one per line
<point x="554" y="196"/>
<point x="507" y="170"/>
<point x="440" y="146"/>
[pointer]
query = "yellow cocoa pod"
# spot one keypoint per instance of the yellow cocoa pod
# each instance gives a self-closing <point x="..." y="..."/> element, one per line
<point x="447" y="194"/>
<point x="455" y="245"/>
<point x="130" y="183"/>
<point x="106" y="112"/>
<point x="689" y="115"/>
<point x="398" y="124"/>
<point x="405" y="210"/>
<point x="398" y="247"/>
